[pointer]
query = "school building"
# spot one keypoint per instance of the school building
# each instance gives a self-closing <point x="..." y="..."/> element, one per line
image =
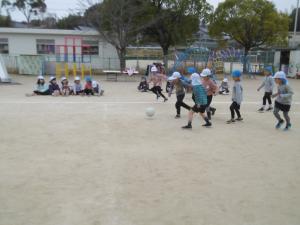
<point x="28" y="51"/>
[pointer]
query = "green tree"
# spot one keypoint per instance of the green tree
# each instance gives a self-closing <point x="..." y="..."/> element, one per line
<point x="119" y="22"/>
<point x="5" y="21"/>
<point x="251" y="23"/>
<point x="177" y="21"/>
<point x="70" y="22"/>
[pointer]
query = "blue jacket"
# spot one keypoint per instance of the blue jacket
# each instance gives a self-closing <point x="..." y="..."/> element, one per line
<point x="200" y="95"/>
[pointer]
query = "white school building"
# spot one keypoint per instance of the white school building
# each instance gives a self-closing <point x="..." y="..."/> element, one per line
<point x="44" y="47"/>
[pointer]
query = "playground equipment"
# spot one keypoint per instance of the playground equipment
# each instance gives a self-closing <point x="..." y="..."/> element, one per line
<point x="196" y="57"/>
<point x="71" y="59"/>
<point x="4" y="77"/>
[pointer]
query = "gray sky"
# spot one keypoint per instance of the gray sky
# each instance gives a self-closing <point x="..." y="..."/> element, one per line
<point x="63" y="7"/>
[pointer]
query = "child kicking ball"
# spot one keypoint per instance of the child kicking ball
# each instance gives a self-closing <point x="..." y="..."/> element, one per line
<point x="200" y="102"/>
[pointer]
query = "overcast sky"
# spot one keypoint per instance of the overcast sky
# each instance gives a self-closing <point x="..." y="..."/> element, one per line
<point x="63" y="7"/>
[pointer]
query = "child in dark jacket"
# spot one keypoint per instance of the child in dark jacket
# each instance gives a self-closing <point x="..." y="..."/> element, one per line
<point x="54" y="89"/>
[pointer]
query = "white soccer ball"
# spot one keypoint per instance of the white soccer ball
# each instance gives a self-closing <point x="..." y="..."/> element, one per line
<point x="150" y="111"/>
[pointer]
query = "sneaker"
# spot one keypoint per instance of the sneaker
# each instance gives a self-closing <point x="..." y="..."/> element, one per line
<point x="288" y="126"/>
<point x="165" y="99"/>
<point x="207" y="125"/>
<point x="270" y="108"/>
<point x="230" y="121"/>
<point x="177" y="116"/>
<point x="261" y="109"/>
<point x="239" y="119"/>
<point x="187" y="127"/>
<point x="278" y="125"/>
<point x="213" y="110"/>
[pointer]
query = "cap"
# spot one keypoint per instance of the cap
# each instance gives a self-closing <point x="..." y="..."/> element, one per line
<point x="52" y="78"/>
<point x="154" y="69"/>
<point x="195" y="77"/>
<point x="280" y="75"/>
<point x="40" y="77"/>
<point x="77" y="78"/>
<point x="174" y="76"/>
<point x="225" y="80"/>
<point x="236" y="73"/>
<point x="63" y="78"/>
<point x="205" y="73"/>
<point x="191" y="70"/>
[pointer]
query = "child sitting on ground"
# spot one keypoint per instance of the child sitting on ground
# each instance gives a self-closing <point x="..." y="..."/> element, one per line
<point x="224" y="87"/>
<point x="65" y="88"/>
<point x="40" y="88"/>
<point x="54" y="89"/>
<point x="88" y="87"/>
<point x="77" y="87"/>
<point x="143" y="86"/>
<point x="97" y="88"/>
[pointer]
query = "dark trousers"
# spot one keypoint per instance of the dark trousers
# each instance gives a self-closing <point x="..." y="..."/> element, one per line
<point x="42" y="93"/>
<point x="88" y="92"/>
<point x="157" y="90"/>
<point x="266" y="97"/>
<point x="234" y="107"/>
<point x="180" y="104"/>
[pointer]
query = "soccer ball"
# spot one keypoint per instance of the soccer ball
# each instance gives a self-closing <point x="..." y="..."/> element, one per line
<point x="150" y="111"/>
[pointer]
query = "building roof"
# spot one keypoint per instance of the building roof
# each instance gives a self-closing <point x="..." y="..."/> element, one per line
<point x="48" y="31"/>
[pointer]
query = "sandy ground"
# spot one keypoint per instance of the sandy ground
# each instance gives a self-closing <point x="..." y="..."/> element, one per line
<point x="100" y="161"/>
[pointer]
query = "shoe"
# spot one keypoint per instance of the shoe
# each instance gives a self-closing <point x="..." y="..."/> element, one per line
<point x="261" y="109"/>
<point x="177" y="116"/>
<point x="165" y="99"/>
<point x="230" y="121"/>
<point x="288" y="126"/>
<point x="270" y="108"/>
<point x="213" y="110"/>
<point x="239" y="119"/>
<point x="187" y="127"/>
<point x="278" y="125"/>
<point x="207" y="125"/>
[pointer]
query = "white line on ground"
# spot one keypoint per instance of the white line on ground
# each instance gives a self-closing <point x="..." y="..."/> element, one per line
<point x="120" y="102"/>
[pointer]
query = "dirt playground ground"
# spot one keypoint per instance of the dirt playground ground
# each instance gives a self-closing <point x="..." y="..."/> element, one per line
<point x="100" y="161"/>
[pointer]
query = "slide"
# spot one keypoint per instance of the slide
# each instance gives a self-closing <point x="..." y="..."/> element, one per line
<point x="4" y="77"/>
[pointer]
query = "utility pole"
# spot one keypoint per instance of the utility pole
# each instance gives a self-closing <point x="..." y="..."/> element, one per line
<point x="296" y="22"/>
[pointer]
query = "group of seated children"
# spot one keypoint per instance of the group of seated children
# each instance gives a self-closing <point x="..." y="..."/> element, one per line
<point x="91" y="87"/>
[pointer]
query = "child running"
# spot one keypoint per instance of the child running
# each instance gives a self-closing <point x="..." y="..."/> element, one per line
<point x="180" y="92"/>
<point x="268" y="84"/>
<point x="157" y="78"/>
<point x="200" y="102"/>
<point x="283" y="100"/>
<point x="211" y="89"/>
<point x="237" y="97"/>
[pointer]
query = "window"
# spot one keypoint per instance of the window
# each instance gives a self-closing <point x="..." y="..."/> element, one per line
<point x="90" y="47"/>
<point x="45" y="46"/>
<point x="4" y="46"/>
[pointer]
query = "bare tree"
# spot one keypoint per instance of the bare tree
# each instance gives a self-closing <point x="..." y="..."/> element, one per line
<point x="119" y="22"/>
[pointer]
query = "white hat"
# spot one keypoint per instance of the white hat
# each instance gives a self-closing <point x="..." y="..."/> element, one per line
<point x="154" y="69"/>
<point x="280" y="75"/>
<point x="40" y="77"/>
<point x="225" y="80"/>
<point x="174" y="76"/>
<point x="63" y="78"/>
<point x="195" y="77"/>
<point x="77" y="78"/>
<point x="205" y="73"/>
<point x="52" y="78"/>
